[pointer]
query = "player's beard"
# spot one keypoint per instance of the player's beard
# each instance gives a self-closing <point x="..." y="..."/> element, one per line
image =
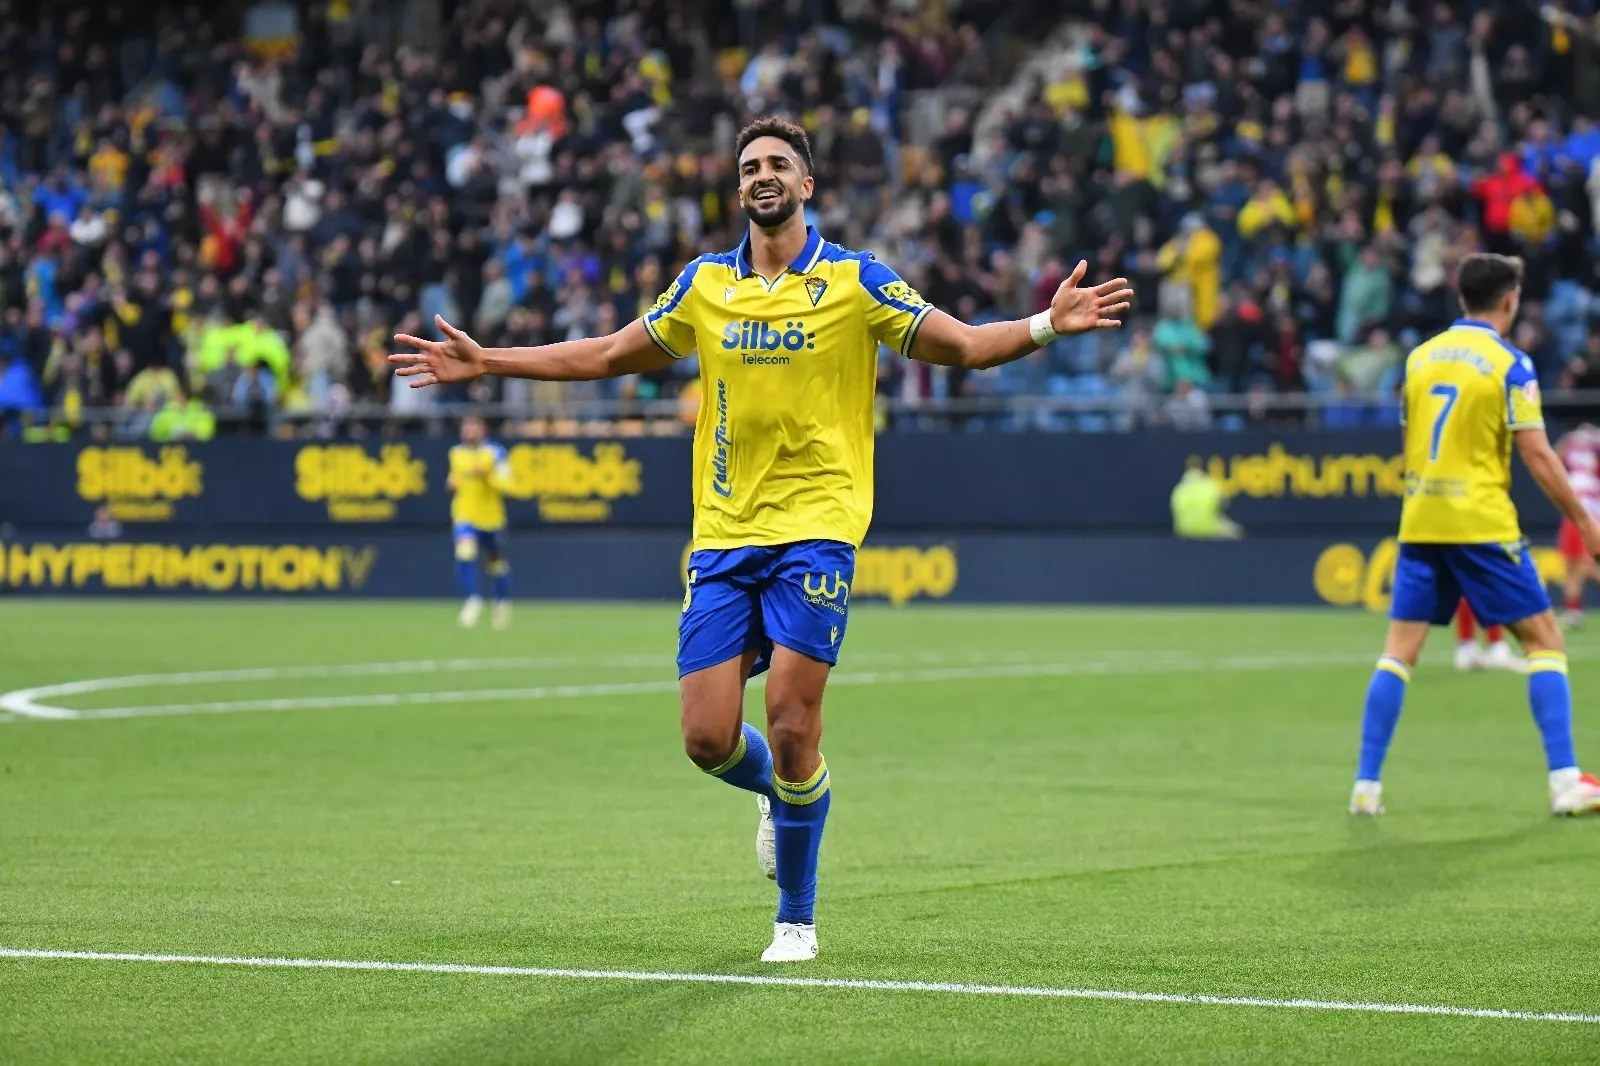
<point x="774" y="215"/>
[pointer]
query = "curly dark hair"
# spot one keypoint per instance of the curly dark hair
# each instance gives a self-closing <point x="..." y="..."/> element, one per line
<point x="781" y="128"/>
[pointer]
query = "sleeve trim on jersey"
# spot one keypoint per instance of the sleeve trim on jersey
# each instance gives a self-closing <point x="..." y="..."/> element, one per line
<point x="916" y="325"/>
<point x="650" y="328"/>
<point x="898" y="305"/>
<point x="684" y="283"/>
<point x="1515" y="426"/>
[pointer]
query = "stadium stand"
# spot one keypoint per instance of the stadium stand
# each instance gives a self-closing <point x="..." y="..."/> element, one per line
<point x="214" y="217"/>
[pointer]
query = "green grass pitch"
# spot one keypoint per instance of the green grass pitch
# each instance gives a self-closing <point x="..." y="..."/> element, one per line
<point x="1143" y="801"/>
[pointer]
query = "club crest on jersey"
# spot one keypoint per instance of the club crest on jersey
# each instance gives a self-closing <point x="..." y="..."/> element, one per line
<point x="727" y="294"/>
<point x="815" y="287"/>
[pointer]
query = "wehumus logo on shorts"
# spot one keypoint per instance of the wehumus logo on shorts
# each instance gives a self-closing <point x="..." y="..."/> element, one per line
<point x="765" y="345"/>
<point x="820" y="592"/>
<point x="721" y="445"/>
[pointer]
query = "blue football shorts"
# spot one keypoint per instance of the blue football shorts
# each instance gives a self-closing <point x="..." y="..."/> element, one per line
<point x="1498" y="581"/>
<point x="488" y="543"/>
<point x="748" y="599"/>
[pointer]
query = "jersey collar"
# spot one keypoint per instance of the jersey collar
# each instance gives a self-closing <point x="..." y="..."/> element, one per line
<point x="803" y="263"/>
<point x="1473" y="323"/>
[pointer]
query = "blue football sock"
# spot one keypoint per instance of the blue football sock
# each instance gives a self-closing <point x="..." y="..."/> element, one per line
<point x="1551" y="700"/>
<point x="798" y="814"/>
<point x="467" y="575"/>
<point x="750" y="765"/>
<point x="1385" y="695"/>
<point x="500" y="580"/>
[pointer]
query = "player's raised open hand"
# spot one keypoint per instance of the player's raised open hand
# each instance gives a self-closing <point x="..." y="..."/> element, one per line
<point x="456" y="358"/>
<point x="1079" y="310"/>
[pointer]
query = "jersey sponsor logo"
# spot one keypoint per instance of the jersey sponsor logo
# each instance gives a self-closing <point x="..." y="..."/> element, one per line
<point x="900" y="292"/>
<point x="137" y="487"/>
<point x="815" y="287"/>
<point x="753" y="336"/>
<point x="356" y="486"/>
<point x="722" y="446"/>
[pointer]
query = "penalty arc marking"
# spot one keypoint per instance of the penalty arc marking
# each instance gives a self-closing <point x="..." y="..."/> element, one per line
<point x="31" y="703"/>
<point x="853" y="984"/>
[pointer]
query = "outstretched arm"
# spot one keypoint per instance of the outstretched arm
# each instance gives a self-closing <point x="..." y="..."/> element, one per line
<point x="460" y="358"/>
<point x="947" y="341"/>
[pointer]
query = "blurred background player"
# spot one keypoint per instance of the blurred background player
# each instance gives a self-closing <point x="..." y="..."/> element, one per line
<point x="1467" y="396"/>
<point x="1580" y="451"/>
<point x="479" y="474"/>
<point x="1497" y="655"/>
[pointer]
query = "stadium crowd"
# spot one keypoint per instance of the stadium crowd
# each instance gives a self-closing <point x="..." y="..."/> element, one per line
<point x="229" y="210"/>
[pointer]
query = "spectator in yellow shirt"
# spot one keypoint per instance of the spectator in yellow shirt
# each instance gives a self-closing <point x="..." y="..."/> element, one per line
<point x="1194" y="258"/>
<point x="1267" y="209"/>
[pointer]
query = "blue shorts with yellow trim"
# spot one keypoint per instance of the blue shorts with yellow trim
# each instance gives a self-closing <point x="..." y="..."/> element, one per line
<point x="748" y="599"/>
<point x="490" y="543"/>
<point x="1498" y="581"/>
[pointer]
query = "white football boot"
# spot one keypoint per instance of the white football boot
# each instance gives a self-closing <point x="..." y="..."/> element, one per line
<point x="766" y="840"/>
<point x="1469" y="656"/>
<point x="1367" y="798"/>
<point x="1499" y="656"/>
<point x="1572" y="619"/>
<point x="791" y="943"/>
<point x="471" y="611"/>
<point x="502" y="614"/>
<point x="1572" y="792"/>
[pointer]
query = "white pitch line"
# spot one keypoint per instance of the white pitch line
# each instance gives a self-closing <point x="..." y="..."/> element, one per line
<point x="854" y="984"/>
<point x="25" y="702"/>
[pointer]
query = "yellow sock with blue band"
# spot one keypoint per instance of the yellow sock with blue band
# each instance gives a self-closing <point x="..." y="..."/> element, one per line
<point x="750" y="765"/>
<point x="1386" y="694"/>
<point x="799" y="811"/>
<point x="1550" y="698"/>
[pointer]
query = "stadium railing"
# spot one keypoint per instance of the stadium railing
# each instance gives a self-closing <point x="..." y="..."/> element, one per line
<point x="600" y="417"/>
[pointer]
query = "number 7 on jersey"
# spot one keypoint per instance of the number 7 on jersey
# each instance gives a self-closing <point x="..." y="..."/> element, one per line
<point x="1449" y="393"/>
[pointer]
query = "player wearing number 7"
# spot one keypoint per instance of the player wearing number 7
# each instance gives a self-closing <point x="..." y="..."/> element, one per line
<point x="1468" y="397"/>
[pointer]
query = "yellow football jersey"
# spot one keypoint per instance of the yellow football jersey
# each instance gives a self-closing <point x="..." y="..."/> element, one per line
<point x="1466" y="392"/>
<point x="788" y="368"/>
<point x="480" y="475"/>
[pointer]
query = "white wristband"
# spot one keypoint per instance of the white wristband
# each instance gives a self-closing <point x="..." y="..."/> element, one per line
<point x="1040" y="329"/>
